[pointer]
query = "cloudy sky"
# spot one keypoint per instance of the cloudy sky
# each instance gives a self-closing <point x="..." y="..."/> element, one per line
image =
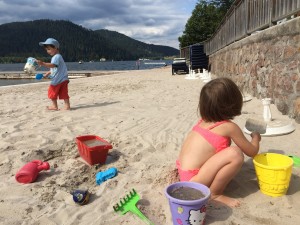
<point x="151" y="21"/>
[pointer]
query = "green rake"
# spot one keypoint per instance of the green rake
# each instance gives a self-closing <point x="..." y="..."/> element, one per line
<point x="128" y="203"/>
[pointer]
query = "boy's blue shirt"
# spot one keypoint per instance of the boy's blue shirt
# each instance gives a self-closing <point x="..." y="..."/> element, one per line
<point x="59" y="73"/>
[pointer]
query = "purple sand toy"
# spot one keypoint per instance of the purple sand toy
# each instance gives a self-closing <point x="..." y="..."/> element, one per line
<point x="185" y="211"/>
<point x="105" y="175"/>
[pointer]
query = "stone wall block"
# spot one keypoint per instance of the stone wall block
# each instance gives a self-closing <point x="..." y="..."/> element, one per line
<point x="297" y="109"/>
<point x="266" y="64"/>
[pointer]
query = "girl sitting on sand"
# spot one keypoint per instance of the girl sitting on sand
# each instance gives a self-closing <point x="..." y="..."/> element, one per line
<point x="207" y="156"/>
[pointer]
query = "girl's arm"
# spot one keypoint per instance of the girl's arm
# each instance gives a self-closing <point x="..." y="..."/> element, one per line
<point x="250" y="148"/>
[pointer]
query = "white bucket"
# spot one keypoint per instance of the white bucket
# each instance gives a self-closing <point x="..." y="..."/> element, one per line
<point x="30" y="66"/>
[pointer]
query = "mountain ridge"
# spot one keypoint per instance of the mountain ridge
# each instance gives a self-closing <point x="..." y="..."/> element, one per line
<point x="19" y="40"/>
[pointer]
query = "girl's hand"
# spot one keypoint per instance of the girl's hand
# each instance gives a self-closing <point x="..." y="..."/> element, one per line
<point x="256" y="135"/>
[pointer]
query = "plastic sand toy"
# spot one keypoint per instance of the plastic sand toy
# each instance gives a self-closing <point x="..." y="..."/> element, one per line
<point x="81" y="197"/>
<point x="30" y="66"/>
<point x="296" y="160"/>
<point x="29" y="172"/>
<point x="105" y="175"/>
<point x="128" y="203"/>
<point x="273" y="173"/>
<point x="39" y="76"/>
<point x="93" y="149"/>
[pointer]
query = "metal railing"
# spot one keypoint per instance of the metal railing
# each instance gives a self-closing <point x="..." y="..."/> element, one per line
<point x="248" y="16"/>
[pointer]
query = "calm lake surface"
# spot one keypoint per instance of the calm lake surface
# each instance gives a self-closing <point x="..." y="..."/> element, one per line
<point x="88" y="66"/>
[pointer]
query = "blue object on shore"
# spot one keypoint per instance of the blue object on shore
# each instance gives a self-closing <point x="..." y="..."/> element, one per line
<point x="39" y="76"/>
<point x="81" y="197"/>
<point x="105" y="175"/>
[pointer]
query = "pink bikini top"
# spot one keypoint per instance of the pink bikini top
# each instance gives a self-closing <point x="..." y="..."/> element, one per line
<point x="217" y="141"/>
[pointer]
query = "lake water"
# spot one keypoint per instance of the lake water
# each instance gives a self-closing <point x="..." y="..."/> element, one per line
<point x="86" y="66"/>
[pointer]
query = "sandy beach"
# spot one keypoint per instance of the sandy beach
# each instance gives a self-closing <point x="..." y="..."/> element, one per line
<point x="145" y="115"/>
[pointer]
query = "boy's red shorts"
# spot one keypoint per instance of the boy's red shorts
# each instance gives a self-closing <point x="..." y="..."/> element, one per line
<point x="60" y="90"/>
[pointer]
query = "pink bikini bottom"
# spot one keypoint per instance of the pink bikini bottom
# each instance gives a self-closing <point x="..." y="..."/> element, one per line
<point x="185" y="175"/>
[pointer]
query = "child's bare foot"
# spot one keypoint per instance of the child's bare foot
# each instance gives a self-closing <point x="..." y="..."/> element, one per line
<point x="231" y="202"/>
<point x="52" y="108"/>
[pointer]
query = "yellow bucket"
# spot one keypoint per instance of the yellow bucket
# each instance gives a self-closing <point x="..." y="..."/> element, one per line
<point x="273" y="173"/>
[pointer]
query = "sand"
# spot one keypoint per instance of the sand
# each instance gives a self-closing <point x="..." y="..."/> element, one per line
<point x="145" y="115"/>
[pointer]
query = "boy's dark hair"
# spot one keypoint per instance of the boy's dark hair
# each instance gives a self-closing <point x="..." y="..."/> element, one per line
<point x="220" y="99"/>
<point x="52" y="46"/>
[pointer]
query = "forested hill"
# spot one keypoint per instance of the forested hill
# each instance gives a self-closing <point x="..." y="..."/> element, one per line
<point x="20" y="40"/>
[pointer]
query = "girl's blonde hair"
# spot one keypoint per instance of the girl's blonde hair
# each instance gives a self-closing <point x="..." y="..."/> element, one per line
<point x="220" y="99"/>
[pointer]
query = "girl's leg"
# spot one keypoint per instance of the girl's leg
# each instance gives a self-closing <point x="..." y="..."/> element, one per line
<point x="218" y="171"/>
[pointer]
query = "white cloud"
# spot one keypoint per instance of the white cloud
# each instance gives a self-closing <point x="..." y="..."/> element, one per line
<point x="150" y="21"/>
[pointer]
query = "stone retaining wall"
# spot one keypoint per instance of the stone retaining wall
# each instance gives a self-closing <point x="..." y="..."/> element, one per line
<point x="266" y="64"/>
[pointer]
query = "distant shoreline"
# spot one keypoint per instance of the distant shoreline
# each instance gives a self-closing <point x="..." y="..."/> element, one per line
<point x="72" y="74"/>
<point x="17" y="78"/>
<point x="90" y="67"/>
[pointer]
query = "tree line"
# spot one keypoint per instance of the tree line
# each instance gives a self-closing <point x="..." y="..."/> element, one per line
<point x="20" y="40"/>
<point x="204" y="21"/>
